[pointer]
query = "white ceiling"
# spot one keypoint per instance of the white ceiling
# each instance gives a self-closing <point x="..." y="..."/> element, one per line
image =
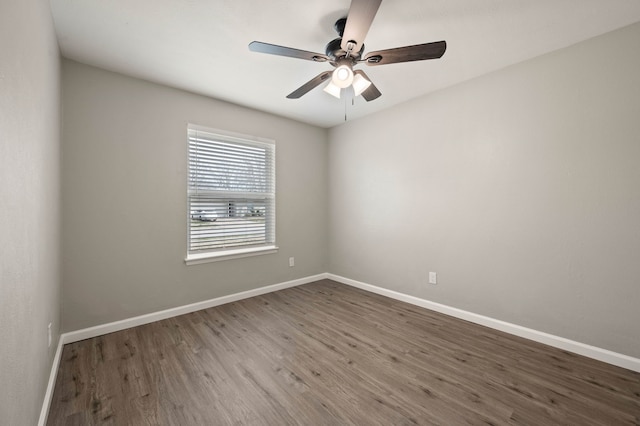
<point x="201" y="45"/>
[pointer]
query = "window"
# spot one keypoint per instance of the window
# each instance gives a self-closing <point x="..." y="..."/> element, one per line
<point x="231" y="195"/>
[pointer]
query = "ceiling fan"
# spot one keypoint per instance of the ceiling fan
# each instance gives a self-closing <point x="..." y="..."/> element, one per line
<point x="345" y="52"/>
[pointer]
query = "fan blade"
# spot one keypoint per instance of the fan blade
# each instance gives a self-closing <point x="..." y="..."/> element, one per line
<point x="273" y="49"/>
<point x="359" y="19"/>
<point x="370" y="92"/>
<point x="311" y="84"/>
<point x="419" y="52"/>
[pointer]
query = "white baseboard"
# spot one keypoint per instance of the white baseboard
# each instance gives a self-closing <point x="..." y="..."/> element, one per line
<point x="99" y="330"/>
<point x="44" y="412"/>
<point x="594" y="352"/>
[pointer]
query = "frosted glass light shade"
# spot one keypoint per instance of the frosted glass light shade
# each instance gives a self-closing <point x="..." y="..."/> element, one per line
<point x="333" y="90"/>
<point x="360" y="84"/>
<point x="342" y="76"/>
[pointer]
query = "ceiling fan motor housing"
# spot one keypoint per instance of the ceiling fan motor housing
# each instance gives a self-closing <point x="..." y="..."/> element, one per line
<point x="334" y="49"/>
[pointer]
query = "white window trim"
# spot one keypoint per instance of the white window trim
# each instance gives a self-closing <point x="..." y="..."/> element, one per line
<point x="230" y="136"/>
<point x="196" y="259"/>
<point x="216" y="256"/>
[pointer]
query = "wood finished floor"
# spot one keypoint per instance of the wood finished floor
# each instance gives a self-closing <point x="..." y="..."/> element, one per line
<point x="328" y="354"/>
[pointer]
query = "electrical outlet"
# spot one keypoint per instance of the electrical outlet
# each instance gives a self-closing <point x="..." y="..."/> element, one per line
<point x="433" y="278"/>
<point x="49" y="334"/>
<point x="292" y="261"/>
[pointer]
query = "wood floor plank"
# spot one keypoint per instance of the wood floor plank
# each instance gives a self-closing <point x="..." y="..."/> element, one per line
<point x="328" y="354"/>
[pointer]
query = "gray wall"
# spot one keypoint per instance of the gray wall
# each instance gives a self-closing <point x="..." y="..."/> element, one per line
<point x="124" y="198"/>
<point x="521" y="189"/>
<point x="29" y="206"/>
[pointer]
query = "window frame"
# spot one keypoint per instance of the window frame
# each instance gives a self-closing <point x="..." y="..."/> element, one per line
<point x="235" y="252"/>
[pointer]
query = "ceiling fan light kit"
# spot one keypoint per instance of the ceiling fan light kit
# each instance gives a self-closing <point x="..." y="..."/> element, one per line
<point x="359" y="83"/>
<point x="345" y="52"/>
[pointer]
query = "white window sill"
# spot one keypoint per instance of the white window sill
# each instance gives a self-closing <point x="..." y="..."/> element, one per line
<point x="195" y="259"/>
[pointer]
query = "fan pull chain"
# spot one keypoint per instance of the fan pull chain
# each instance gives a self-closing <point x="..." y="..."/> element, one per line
<point x="353" y="103"/>
<point x="345" y="109"/>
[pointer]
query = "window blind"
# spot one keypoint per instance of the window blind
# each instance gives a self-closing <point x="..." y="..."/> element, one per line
<point x="231" y="192"/>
